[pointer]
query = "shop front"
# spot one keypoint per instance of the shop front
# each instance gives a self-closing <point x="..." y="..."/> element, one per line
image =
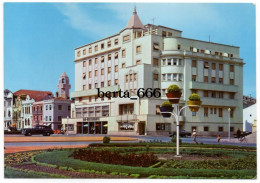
<point x="92" y="125"/>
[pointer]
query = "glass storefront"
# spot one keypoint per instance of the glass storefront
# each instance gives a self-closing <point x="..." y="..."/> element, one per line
<point x="99" y="127"/>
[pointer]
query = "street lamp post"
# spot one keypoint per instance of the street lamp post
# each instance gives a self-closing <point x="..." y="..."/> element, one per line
<point x="229" y="124"/>
<point x="67" y="125"/>
<point x="176" y="113"/>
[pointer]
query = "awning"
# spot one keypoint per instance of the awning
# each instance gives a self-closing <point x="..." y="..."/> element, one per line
<point x="106" y="125"/>
<point x="97" y="124"/>
<point x="86" y="125"/>
<point x="156" y="46"/>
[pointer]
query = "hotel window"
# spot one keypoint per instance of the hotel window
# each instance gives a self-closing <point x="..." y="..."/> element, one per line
<point x="155" y="77"/>
<point x="163" y="77"/>
<point x="221" y="94"/>
<point x="102" y="46"/>
<point x="46" y="118"/>
<point x="232" y="129"/>
<point x="220" y="112"/>
<point x="49" y="107"/>
<point x="84" y="63"/>
<point x="108" y="44"/>
<point x="169" y="34"/>
<point x="126" y="78"/>
<point x="206" y="110"/>
<point x="213" y="66"/>
<point x="126" y="38"/>
<point x="138" y="62"/>
<point x="231" y="68"/>
<point x="109" y="69"/>
<point x="84" y="75"/>
<point x="163" y="61"/>
<point x="213" y="79"/>
<point x="169" y="61"/>
<point x="135" y="76"/>
<point x="109" y="57"/>
<point x="116" y="68"/>
<point x="96" y="48"/>
<point x="231" y="81"/>
<point x="216" y="53"/>
<point x="116" y="81"/>
<point x="174" y="61"/>
<point x="90" y="74"/>
<point x="169" y="77"/>
<point x="102" y="59"/>
<point x="90" y="50"/>
<point x="130" y="76"/>
<point x="205" y="94"/>
<point x="123" y="65"/>
<point x="84" y="52"/>
<point x="194" y="63"/>
<point x="116" y="55"/>
<point x="206" y="65"/>
<point x="90" y="62"/>
<point x="163" y="33"/>
<point x="96" y="85"/>
<point x="155" y="61"/>
<point x="220" y="129"/>
<point x="213" y="94"/>
<point x="89" y="86"/>
<point x="180" y="77"/>
<point x="96" y="73"/>
<point x="231" y="95"/>
<point x="156" y="47"/>
<point x="102" y="71"/>
<point x="78" y="53"/>
<point x="221" y="67"/>
<point x="116" y="41"/>
<point x="179" y="46"/>
<point x="96" y="60"/>
<point x="123" y="53"/>
<point x="138" y="49"/>
<point x="174" y="77"/>
<point x="194" y="77"/>
<point x="206" y="128"/>
<point x="206" y="79"/>
<point x="109" y="83"/>
<point x="220" y="80"/>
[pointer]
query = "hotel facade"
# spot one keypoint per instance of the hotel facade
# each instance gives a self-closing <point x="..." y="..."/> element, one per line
<point x="150" y="56"/>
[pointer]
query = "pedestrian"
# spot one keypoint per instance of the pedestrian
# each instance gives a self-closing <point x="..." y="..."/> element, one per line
<point x="238" y="133"/>
<point x="218" y="138"/>
<point x="194" y="135"/>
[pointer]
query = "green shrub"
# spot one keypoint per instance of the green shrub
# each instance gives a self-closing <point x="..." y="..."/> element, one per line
<point x="106" y="140"/>
<point x="173" y="88"/>
<point x="174" y="140"/>
<point x="194" y="97"/>
<point x="134" y="175"/>
<point x="166" y="104"/>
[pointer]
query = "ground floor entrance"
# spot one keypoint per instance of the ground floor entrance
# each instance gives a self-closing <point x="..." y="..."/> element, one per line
<point x="92" y="127"/>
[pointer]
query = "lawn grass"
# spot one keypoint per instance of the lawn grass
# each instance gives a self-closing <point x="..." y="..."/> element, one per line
<point x="61" y="158"/>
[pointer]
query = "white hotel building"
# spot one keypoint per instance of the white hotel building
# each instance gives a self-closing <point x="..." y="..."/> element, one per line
<point x="150" y="56"/>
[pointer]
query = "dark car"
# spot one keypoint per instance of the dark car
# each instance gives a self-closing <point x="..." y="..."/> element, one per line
<point x="183" y="133"/>
<point x="36" y="130"/>
<point x="243" y="134"/>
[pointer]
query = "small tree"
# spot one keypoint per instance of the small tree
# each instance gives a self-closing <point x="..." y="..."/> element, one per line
<point x="106" y="140"/>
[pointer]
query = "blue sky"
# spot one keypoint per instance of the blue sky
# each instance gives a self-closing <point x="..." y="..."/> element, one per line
<point x="39" y="38"/>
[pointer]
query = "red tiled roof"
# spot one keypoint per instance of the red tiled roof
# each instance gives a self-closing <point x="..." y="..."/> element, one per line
<point x="35" y="94"/>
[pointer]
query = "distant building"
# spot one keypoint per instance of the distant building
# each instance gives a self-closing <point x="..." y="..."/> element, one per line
<point x="249" y="117"/>
<point x="248" y="101"/>
<point x="22" y="106"/>
<point x="38" y="113"/>
<point x="57" y="108"/>
<point x="8" y="102"/>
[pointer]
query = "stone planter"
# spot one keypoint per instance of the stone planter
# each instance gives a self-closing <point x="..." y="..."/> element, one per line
<point x="175" y="95"/>
<point x="166" y="109"/>
<point x="194" y="105"/>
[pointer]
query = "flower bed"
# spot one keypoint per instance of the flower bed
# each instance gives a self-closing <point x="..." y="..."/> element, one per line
<point x="108" y="157"/>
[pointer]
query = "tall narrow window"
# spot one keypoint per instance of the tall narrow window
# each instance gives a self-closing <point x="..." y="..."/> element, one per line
<point x="155" y="61"/>
<point x="123" y="53"/>
<point x="231" y="68"/>
<point x="96" y="60"/>
<point x="96" y="48"/>
<point x="231" y="81"/>
<point x="138" y="49"/>
<point x="123" y="65"/>
<point x="194" y="77"/>
<point x="126" y="78"/>
<point x="155" y="77"/>
<point x="116" y="41"/>
<point x="220" y="112"/>
<point x="84" y="87"/>
<point x="102" y="71"/>
<point x="194" y="63"/>
<point x="109" y="83"/>
<point x="213" y="79"/>
<point x="109" y="57"/>
<point x="109" y="44"/>
<point x="96" y="73"/>
<point x="163" y="33"/>
<point x="116" y="55"/>
<point x="116" y="81"/>
<point x="213" y="66"/>
<point x="206" y="79"/>
<point x="135" y="76"/>
<point x="126" y="38"/>
<point x="102" y="59"/>
<point x="221" y="67"/>
<point x="179" y="46"/>
<point x="205" y="94"/>
<point x="102" y="46"/>
<point x="90" y="49"/>
<point x="90" y="74"/>
<point x="116" y="68"/>
<point x="206" y="114"/>
<point x="220" y="80"/>
<point x="84" y="63"/>
<point x="109" y="69"/>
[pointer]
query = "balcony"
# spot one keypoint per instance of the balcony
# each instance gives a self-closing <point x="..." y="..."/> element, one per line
<point x="213" y="86"/>
<point x="219" y="102"/>
<point x="126" y="117"/>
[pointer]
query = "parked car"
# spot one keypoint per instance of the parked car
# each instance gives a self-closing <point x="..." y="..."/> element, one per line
<point x="36" y="130"/>
<point x="183" y="133"/>
<point x="243" y="134"/>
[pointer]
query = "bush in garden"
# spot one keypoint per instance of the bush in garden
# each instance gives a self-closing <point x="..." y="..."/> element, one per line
<point x="106" y="140"/>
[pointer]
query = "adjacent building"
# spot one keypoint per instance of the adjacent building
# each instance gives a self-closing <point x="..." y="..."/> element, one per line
<point x="248" y="101"/>
<point x="155" y="56"/>
<point x="249" y="117"/>
<point x="8" y="102"/>
<point x="22" y="106"/>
